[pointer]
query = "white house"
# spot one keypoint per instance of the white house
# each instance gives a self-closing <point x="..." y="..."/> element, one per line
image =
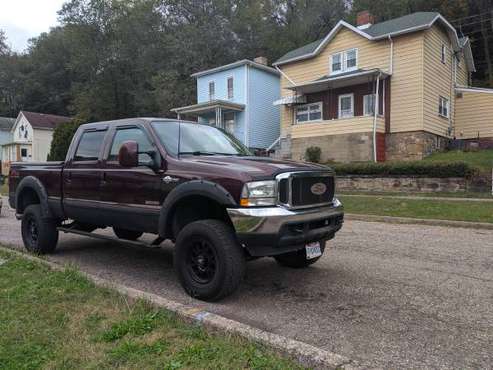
<point x="31" y="138"/>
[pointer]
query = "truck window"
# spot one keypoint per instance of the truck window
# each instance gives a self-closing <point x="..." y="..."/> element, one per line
<point x="126" y="134"/>
<point x="89" y="146"/>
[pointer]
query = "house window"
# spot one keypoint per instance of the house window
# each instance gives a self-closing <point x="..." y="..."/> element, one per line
<point x="344" y="61"/>
<point x="369" y="105"/>
<point x="336" y="63"/>
<point x="23" y="152"/>
<point x="443" y="107"/>
<point x="346" y="105"/>
<point x="212" y="90"/>
<point x="230" y="88"/>
<point x="443" y="53"/>
<point x="309" y="112"/>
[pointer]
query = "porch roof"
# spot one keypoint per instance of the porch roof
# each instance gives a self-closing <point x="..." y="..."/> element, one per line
<point x="357" y="77"/>
<point x="209" y="106"/>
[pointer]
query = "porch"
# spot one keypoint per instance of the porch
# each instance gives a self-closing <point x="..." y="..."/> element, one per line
<point x="220" y="113"/>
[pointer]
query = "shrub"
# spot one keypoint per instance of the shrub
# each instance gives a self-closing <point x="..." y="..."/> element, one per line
<point x="313" y="154"/>
<point x="62" y="136"/>
<point x="414" y="168"/>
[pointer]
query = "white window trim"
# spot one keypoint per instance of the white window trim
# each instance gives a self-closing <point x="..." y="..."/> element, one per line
<point x="343" y="55"/>
<point x="440" y="97"/>
<point x="233" y="88"/>
<point x="339" y="98"/>
<point x="209" y="89"/>
<point x="321" y="107"/>
<point x="443" y="53"/>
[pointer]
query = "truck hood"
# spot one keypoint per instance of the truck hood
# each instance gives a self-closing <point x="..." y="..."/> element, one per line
<point x="256" y="167"/>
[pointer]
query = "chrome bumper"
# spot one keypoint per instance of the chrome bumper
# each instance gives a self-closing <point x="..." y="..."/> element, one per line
<point x="274" y="230"/>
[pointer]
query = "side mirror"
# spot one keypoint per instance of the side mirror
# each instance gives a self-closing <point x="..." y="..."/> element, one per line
<point x="128" y="155"/>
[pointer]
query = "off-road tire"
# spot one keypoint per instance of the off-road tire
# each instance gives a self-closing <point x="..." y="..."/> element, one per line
<point x="127" y="234"/>
<point x="39" y="234"/>
<point x="230" y="263"/>
<point x="297" y="259"/>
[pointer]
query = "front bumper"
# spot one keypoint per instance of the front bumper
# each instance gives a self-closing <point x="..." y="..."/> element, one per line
<point x="269" y="231"/>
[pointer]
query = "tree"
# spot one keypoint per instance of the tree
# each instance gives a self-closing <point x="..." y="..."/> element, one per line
<point x="62" y="137"/>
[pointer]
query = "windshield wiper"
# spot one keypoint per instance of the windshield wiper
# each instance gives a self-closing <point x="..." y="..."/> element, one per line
<point x="198" y="152"/>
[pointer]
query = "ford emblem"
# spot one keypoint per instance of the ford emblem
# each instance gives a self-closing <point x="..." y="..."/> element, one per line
<point x="319" y="188"/>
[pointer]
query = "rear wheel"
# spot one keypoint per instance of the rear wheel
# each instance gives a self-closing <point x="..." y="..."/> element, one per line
<point x="127" y="234"/>
<point x="297" y="259"/>
<point x="39" y="234"/>
<point x="209" y="261"/>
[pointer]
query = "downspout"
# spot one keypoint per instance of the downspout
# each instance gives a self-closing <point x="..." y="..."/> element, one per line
<point x="377" y="105"/>
<point x="391" y="66"/>
<point x="247" y="118"/>
<point x="285" y="76"/>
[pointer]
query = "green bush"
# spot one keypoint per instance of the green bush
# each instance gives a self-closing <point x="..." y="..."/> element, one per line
<point x="415" y="168"/>
<point x="313" y="153"/>
<point x="62" y="136"/>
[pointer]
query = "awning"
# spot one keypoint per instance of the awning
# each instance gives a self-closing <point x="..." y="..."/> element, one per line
<point x="291" y="99"/>
<point x="340" y="80"/>
<point x="209" y="106"/>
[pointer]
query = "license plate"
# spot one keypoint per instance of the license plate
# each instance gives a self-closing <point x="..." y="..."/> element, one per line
<point x="313" y="250"/>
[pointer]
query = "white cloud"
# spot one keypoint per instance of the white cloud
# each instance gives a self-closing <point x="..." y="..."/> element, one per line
<point x="24" y="19"/>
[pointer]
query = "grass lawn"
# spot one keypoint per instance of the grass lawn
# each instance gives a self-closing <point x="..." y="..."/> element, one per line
<point x="482" y="158"/>
<point x="4" y="189"/>
<point x="60" y="320"/>
<point x="432" y="209"/>
<point x="433" y="195"/>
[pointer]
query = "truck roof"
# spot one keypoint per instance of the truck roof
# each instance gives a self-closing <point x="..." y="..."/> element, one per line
<point x="132" y="120"/>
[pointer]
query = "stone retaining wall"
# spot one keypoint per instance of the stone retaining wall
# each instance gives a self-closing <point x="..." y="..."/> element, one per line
<point x="401" y="184"/>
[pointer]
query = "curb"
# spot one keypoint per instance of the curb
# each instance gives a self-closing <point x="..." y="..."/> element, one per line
<point x="305" y="354"/>
<point x="419" y="221"/>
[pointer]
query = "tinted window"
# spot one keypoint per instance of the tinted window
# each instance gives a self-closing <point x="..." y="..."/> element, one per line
<point x="134" y="134"/>
<point x="89" y="146"/>
<point x="197" y="139"/>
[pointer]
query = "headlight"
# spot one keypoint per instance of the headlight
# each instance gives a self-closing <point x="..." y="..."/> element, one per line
<point x="259" y="193"/>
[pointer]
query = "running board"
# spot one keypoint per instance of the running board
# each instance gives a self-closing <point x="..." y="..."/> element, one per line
<point x="154" y="244"/>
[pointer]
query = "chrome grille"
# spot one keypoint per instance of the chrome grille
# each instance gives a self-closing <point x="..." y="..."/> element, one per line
<point x="305" y="189"/>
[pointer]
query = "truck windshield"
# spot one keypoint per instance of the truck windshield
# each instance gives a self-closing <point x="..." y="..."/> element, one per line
<point x="197" y="139"/>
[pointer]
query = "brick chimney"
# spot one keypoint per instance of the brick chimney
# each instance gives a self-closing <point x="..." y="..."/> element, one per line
<point x="261" y="60"/>
<point x="364" y="19"/>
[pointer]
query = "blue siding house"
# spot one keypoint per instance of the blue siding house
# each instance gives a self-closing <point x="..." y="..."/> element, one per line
<point x="238" y="98"/>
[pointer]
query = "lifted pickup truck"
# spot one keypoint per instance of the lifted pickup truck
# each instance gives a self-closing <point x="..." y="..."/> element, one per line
<point x="190" y="183"/>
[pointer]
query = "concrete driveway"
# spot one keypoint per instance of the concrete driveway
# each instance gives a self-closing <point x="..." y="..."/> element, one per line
<point x="393" y="296"/>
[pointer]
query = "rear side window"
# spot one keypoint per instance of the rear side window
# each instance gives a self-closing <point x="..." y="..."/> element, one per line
<point x="90" y="145"/>
<point x="135" y="134"/>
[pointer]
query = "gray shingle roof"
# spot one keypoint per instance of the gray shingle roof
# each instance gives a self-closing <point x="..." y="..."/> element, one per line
<point x="400" y="24"/>
<point x="419" y="19"/>
<point x="6" y="123"/>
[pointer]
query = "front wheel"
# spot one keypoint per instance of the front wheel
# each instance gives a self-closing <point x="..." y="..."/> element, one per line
<point x="209" y="261"/>
<point x="297" y="259"/>
<point x="39" y="234"/>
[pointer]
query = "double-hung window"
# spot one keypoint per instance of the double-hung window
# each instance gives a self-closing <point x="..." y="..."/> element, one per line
<point x="344" y="61"/>
<point x="369" y="105"/>
<point x="346" y="105"/>
<point x="443" y="107"/>
<point x="230" y="88"/>
<point x="309" y="112"/>
<point x="212" y="90"/>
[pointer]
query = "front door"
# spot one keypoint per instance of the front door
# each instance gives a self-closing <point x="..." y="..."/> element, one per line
<point x="131" y="197"/>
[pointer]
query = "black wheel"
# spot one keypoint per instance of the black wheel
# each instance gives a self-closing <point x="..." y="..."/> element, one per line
<point x="127" y="234"/>
<point x="39" y="234"/>
<point x="209" y="261"/>
<point x="297" y="259"/>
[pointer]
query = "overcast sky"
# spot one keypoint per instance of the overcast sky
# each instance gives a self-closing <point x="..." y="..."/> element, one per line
<point x="23" y="19"/>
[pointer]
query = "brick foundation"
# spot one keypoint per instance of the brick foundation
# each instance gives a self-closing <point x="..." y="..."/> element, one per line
<point x="357" y="147"/>
<point x="414" y="145"/>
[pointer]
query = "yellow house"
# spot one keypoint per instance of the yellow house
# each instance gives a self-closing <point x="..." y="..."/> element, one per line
<point x="398" y="89"/>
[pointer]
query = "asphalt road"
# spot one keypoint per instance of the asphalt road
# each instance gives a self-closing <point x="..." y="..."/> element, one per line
<point x="392" y="296"/>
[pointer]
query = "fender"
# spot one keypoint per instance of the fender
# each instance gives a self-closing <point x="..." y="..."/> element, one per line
<point x="31" y="182"/>
<point x="201" y="188"/>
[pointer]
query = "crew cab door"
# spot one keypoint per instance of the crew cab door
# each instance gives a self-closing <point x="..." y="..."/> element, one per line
<point x="131" y="197"/>
<point x="81" y="176"/>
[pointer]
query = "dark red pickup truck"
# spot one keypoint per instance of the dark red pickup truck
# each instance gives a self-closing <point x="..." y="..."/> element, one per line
<point x="193" y="184"/>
